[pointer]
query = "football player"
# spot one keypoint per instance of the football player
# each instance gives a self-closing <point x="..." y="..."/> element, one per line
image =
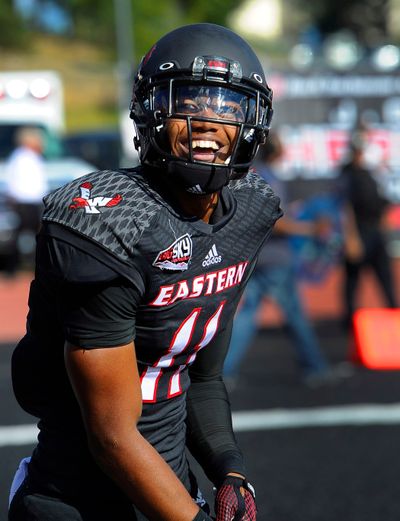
<point x="138" y="275"/>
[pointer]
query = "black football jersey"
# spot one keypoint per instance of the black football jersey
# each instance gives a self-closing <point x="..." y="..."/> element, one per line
<point x="191" y="274"/>
<point x="188" y="278"/>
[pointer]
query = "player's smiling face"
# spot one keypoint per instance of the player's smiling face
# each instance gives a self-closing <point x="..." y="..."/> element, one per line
<point x="211" y="141"/>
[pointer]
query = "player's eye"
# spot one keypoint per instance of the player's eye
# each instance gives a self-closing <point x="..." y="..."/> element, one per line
<point x="187" y="107"/>
<point x="230" y="111"/>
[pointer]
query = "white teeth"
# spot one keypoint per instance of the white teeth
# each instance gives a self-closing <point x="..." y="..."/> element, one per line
<point x="204" y="144"/>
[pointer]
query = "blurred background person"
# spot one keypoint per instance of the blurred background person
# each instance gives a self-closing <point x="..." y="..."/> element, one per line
<point x="365" y="245"/>
<point x="26" y="185"/>
<point x="275" y="277"/>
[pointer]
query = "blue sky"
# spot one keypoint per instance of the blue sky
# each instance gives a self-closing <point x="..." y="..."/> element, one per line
<point x="49" y="15"/>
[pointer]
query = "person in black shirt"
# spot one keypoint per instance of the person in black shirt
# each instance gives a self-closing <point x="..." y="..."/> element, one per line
<point x="138" y="275"/>
<point x="364" y="238"/>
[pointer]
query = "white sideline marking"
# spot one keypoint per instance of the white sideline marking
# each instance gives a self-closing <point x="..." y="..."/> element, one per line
<point x="18" y="435"/>
<point x="245" y="421"/>
<point x="317" y="417"/>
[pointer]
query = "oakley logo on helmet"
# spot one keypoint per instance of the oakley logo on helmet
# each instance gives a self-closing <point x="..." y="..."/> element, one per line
<point x="257" y="77"/>
<point x="177" y="256"/>
<point x="166" y="66"/>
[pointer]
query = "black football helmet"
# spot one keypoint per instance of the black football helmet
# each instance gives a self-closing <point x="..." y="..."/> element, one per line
<point x="191" y="71"/>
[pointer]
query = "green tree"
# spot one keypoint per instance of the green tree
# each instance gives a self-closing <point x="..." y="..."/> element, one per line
<point x="93" y="20"/>
<point x="153" y="19"/>
<point x="14" y="32"/>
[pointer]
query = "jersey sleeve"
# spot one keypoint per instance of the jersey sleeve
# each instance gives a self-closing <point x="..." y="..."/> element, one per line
<point x="97" y="305"/>
<point x="210" y="436"/>
<point x="101" y="315"/>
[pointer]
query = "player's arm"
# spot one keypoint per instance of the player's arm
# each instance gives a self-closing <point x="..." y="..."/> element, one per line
<point x="353" y="248"/>
<point x="209" y="420"/>
<point x="319" y="228"/>
<point x="211" y="439"/>
<point x="97" y="310"/>
<point x="107" y="386"/>
<point x="352" y="243"/>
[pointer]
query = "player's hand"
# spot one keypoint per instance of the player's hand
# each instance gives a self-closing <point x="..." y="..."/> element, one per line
<point x="322" y="228"/>
<point x="353" y="249"/>
<point x="235" y="500"/>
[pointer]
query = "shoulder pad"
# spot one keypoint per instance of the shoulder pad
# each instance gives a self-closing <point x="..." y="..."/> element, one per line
<point x="252" y="181"/>
<point x="112" y="208"/>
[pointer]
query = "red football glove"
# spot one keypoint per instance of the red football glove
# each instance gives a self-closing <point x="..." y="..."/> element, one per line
<point x="233" y="504"/>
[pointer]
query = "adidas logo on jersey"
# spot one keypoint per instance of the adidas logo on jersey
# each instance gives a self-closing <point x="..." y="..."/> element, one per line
<point x="212" y="257"/>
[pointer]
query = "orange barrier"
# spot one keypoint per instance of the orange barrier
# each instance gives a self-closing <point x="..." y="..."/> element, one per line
<point x="377" y="337"/>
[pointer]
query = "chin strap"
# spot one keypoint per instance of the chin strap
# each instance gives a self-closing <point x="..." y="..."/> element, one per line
<point x="199" y="179"/>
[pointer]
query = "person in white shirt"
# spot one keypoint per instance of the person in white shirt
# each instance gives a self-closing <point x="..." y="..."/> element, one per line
<point x="26" y="185"/>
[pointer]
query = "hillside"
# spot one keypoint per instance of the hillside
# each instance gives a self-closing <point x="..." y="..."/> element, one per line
<point x="88" y="73"/>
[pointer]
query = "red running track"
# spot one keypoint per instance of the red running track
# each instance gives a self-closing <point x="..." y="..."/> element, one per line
<point x="322" y="300"/>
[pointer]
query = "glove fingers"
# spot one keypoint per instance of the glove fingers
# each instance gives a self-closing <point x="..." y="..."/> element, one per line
<point x="250" y="506"/>
<point x="235" y="501"/>
<point x="231" y="504"/>
<point x="241" y="506"/>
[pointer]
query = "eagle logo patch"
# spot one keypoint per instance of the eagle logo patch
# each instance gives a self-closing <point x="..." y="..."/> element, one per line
<point x="92" y="204"/>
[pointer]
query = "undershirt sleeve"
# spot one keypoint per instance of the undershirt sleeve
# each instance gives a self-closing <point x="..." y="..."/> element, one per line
<point x="96" y="305"/>
<point x="210" y="436"/>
